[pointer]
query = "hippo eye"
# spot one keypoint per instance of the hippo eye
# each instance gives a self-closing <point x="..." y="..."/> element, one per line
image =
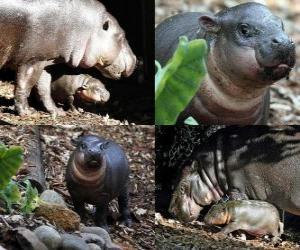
<point x="105" y="26"/>
<point x="245" y="30"/>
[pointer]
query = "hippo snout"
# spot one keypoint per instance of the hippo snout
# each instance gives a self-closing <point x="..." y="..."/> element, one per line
<point x="131" y="63"/>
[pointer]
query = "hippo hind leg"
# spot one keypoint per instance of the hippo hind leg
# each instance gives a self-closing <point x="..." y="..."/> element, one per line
<point x="123" y="200"/>
<point x="27" y="77"/>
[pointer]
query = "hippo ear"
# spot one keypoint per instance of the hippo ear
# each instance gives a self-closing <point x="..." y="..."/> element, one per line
<point x="75" y="141"/>
<point x="194" y="166"/>
<point x="209" y="23"/>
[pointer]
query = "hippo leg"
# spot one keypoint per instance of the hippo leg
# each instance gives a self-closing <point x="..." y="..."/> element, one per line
<point x="44" y="90"/>
<point x="78" y="206"/>
<point x="27" y="77"/>
<point x="101" y="214"/>
<point x="124" y="208"/>
<point x="231" y="227"/>
<point x="71" y="104"/>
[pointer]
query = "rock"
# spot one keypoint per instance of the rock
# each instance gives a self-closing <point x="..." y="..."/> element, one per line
<point x="15" y="219"/>
<point x="51" y="196"/>
<point x="62" y="217"/>
<point x="103" y="234"/>
<point x="73" y="242"/>
<point x="28" y="240"/>
<point x="49" y="236"/>
<point x="93" y="238"/>
<point x="93" y="247"/>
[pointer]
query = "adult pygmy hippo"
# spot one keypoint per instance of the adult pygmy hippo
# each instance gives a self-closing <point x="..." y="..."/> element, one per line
<point x="98" y="172"/>
<point x="68" y="87"/>
<point x="36" y="33"/>
<point x="248" y="51"/>
<point x="256" y="162"/>
<point x="257" y="218"/>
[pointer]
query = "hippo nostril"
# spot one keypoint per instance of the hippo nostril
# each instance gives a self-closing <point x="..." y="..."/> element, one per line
<point x="275" y="41"/>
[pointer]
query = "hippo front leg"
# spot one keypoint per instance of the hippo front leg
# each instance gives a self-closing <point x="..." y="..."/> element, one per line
<point x="124" y="208"/>
<point x="71" y="104"/>
<point x="27" y="77"/>
<point x="44" y="90"/>
<point x="101" y="214"/>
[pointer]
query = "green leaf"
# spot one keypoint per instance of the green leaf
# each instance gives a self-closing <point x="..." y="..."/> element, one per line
<point x="11" y="195"/>
<point x="31" y="199"/>
<point x="179" y="80"/>
<point x="191" y="121"/>
<point x="10" y="161"/>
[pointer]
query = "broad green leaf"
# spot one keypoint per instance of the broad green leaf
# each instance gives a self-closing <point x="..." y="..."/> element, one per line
<point x="179" y="80"/>
<point x="31" y="199"/>
<point x="191" y="121"/>
<point x="10" y="161"/>
<point x="10" y="194"/>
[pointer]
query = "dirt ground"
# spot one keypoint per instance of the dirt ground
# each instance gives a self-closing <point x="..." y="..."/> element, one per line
<point x="138" y="143"/>
<point x="285" y="94"/>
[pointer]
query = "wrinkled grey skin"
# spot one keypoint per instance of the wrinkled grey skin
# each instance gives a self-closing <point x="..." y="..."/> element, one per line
<point x="37" y="33"/>
<point x="98" y="172"/>
<point x="248" y="51"/>
<point x="251" y="164"/>
<point x="257" y="218"/>
<point x="64" y="90"/>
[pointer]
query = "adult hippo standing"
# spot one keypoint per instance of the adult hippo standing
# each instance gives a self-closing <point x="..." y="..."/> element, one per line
<point x="248" y="51"/>
<point x="256" y="162"/>
<point x="36" y="33"/>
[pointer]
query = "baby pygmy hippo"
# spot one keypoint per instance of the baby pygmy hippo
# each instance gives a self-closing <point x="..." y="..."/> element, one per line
<point x="85" y="87"/>
<point x="257" y="218"/>
<point x="98" y="172"/>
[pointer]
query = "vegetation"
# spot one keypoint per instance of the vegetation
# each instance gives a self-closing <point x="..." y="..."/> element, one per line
<point x="179" y="80"/>
<point x="11" y="193"/>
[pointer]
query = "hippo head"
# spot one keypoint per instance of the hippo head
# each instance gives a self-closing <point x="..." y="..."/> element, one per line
<point x="248" y="45"/>
<point x="90" y="151"/>
<point x="107" y="48"/>
<point x="217" y="215"/>
<point x="190" y="196"/>
<point x="93" y="91"/>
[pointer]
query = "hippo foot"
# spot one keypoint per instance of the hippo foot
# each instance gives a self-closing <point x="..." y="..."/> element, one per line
<point x="57" y="112"/>
<point x="104" y="226"/>
<point x="25" y="111"/>
<point x="126" y="221"/>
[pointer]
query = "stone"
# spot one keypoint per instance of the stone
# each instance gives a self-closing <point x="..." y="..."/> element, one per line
<point x="51" y="196"/>
<point x="49" y="236"/>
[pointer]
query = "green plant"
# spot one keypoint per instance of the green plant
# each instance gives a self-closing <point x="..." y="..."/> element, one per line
<point x="10" y="161"/>
<point x="179" y="80"/>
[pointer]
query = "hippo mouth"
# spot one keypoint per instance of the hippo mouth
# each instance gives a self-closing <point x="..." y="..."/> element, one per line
<point x="124" y="67"/>
<point x="278" y="71"/>
<point x="277" y="68"/>
<point x="93" y="164"/>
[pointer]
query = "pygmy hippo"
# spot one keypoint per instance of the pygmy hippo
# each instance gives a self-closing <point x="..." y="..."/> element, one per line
<point x="68" y="87"/>
<point x="257" y="218"/>
<point x="98" y="172"/>
<point x="255" y="162"/>
<point x="37" y="33"/>
<point x="248" y="51"/>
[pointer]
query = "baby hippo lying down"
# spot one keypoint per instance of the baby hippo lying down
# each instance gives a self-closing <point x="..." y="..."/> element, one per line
<point x="67" y="88"/>
<point x="257" y="218"/>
